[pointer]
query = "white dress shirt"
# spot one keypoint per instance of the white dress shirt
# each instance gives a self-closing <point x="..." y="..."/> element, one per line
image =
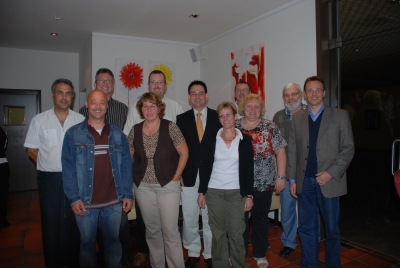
<point x="203" y="116"/>
<point x="46" y="134"/>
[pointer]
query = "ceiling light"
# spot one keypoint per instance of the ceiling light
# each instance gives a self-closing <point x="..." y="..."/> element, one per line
<point x="54" y="34"/>
<point x="57" y="17"/>
<point x="193" y="16"/>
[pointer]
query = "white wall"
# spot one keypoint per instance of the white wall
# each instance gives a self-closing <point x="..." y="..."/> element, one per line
<point x="85" y="71"/>
<point x="107" y="48"/>
<point x="34" y="69"/>
<point x="290" y="52"/>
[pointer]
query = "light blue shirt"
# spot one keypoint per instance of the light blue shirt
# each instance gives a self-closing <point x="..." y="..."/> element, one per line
<point x="315" y="117"/>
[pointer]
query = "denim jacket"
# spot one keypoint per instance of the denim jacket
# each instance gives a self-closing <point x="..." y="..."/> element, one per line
<point x="78" y="163"/>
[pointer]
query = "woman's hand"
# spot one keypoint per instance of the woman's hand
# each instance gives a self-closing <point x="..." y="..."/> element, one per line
<point x="201" y="200"/>
<point x="248" y="205"/>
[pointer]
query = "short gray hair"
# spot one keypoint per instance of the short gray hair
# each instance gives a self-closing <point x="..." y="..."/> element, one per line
<point x="62" y="81"/>
<point x="289" y="85"/>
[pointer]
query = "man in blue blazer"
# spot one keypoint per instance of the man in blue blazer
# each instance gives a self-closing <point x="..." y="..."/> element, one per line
<point x="199" y="126"/>
<point x="320" y="149"/>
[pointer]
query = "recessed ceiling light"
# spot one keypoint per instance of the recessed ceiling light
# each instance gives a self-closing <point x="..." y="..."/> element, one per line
<point x="54" y="34"/>
<point x="193" y="16"/>
<point x="57" y="17"/>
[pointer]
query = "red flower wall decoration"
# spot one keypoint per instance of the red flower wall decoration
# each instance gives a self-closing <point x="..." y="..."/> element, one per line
<point x="131" y="75"/>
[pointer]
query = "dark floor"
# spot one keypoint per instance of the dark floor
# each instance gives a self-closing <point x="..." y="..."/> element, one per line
<point x="21" y="246"/>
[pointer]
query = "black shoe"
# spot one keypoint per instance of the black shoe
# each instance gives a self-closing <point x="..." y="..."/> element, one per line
<point x="209" y="263"/>
<point x="191" y="262"/>
<point x="285" y="252"/>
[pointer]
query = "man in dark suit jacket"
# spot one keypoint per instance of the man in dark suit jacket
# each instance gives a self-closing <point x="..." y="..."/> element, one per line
<point x="320" y="149"/>
<point x="199" y="126"/>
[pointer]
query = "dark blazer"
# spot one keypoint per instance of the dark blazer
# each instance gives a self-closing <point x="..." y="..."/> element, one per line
<point x="335" y="149"/>
<point x="198" y="151"/>
<point x="246" y="168"/>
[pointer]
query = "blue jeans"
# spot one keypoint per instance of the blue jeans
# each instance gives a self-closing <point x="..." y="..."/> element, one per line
<point x="60" y="234"/>
<point x="310" y="199"/>
<point x="87" y="224"/>
<point x="288" y="217"/>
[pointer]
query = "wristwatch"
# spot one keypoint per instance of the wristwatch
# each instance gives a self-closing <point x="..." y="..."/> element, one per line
<point x="283" y="177"/>
<point x="249" y="196"/>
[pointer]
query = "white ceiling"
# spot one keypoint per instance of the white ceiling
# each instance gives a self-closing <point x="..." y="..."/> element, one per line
<point x="28" y="23"/>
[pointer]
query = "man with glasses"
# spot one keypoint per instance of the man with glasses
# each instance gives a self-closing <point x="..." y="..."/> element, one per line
<point x="291" y="96"/>
<point x="199" y="126"/>
<point x="117" y="111"/>
<point x="156" y="84"/>
<point x="320" y="149"/>
<point x="242" y="89"/>
<point x="44" y="140"/>
<point x="116" y="115"/>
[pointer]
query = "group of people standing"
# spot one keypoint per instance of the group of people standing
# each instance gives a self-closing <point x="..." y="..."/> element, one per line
<point x="220" y="164"/>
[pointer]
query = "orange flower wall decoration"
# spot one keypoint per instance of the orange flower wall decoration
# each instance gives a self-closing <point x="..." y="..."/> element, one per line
<point x="131" y="75"/>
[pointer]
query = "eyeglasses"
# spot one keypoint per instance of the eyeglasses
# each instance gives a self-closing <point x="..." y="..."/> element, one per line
<point x="293" y="95"/>
<point x="200" y="94"/>
<point x="227" y="116"/>
<point x="102" y="81"/>
<point x="154" y="83"/>
<point x="310" y="91"/>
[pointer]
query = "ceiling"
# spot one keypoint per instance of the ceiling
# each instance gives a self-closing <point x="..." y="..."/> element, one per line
<point x="370" y="29"/>
<point x="28" y="23"/>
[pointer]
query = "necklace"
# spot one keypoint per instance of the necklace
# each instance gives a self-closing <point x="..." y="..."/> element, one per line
<point x="227" y="139"/>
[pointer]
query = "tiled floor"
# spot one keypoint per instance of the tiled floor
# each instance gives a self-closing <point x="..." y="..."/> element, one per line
<point x="20" y="244"/>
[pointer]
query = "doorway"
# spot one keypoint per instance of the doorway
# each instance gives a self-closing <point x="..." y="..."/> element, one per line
<point x="358" y="57"/>
<point x="17" y="108"/>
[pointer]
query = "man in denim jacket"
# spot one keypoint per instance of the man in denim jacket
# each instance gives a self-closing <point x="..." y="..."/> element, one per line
<point x="97" y="178"/>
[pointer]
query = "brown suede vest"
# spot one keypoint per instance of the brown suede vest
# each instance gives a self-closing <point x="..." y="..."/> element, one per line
<point x="165" y="157"/>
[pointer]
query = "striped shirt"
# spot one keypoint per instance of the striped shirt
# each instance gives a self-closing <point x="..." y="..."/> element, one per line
<point x="116" y="113"/>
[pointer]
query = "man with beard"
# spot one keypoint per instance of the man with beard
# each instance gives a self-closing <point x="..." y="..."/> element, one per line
<point x="292" y="96"/>
<point x="97" y="179"/>
<point x="116" y="115"/>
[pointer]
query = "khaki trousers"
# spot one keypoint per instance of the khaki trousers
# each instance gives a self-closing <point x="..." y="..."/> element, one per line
<point x="160" y="210"/>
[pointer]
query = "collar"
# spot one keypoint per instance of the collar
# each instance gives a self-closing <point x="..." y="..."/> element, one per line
<point x="203" y="112"/>
<point x="315" y="117"/>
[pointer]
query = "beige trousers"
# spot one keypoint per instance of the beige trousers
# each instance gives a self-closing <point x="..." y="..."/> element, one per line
<point x="160" y="209"/>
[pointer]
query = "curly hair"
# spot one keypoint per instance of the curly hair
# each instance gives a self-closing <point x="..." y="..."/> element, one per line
<point x="153" y="98"/>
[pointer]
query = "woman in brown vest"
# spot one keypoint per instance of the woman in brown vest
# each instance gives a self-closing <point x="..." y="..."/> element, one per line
<point x="159" y="154"/>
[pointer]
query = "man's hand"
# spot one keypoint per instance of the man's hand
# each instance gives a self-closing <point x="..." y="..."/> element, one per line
<point x="201" y="200"/>
<point x="127" y="205"/>
<point x="280" y="185"/>
<point x="293" y="189"/>
<point x="77" y="208"/>
<point x="248" y="205"/>
<point x="323" y="177"/>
